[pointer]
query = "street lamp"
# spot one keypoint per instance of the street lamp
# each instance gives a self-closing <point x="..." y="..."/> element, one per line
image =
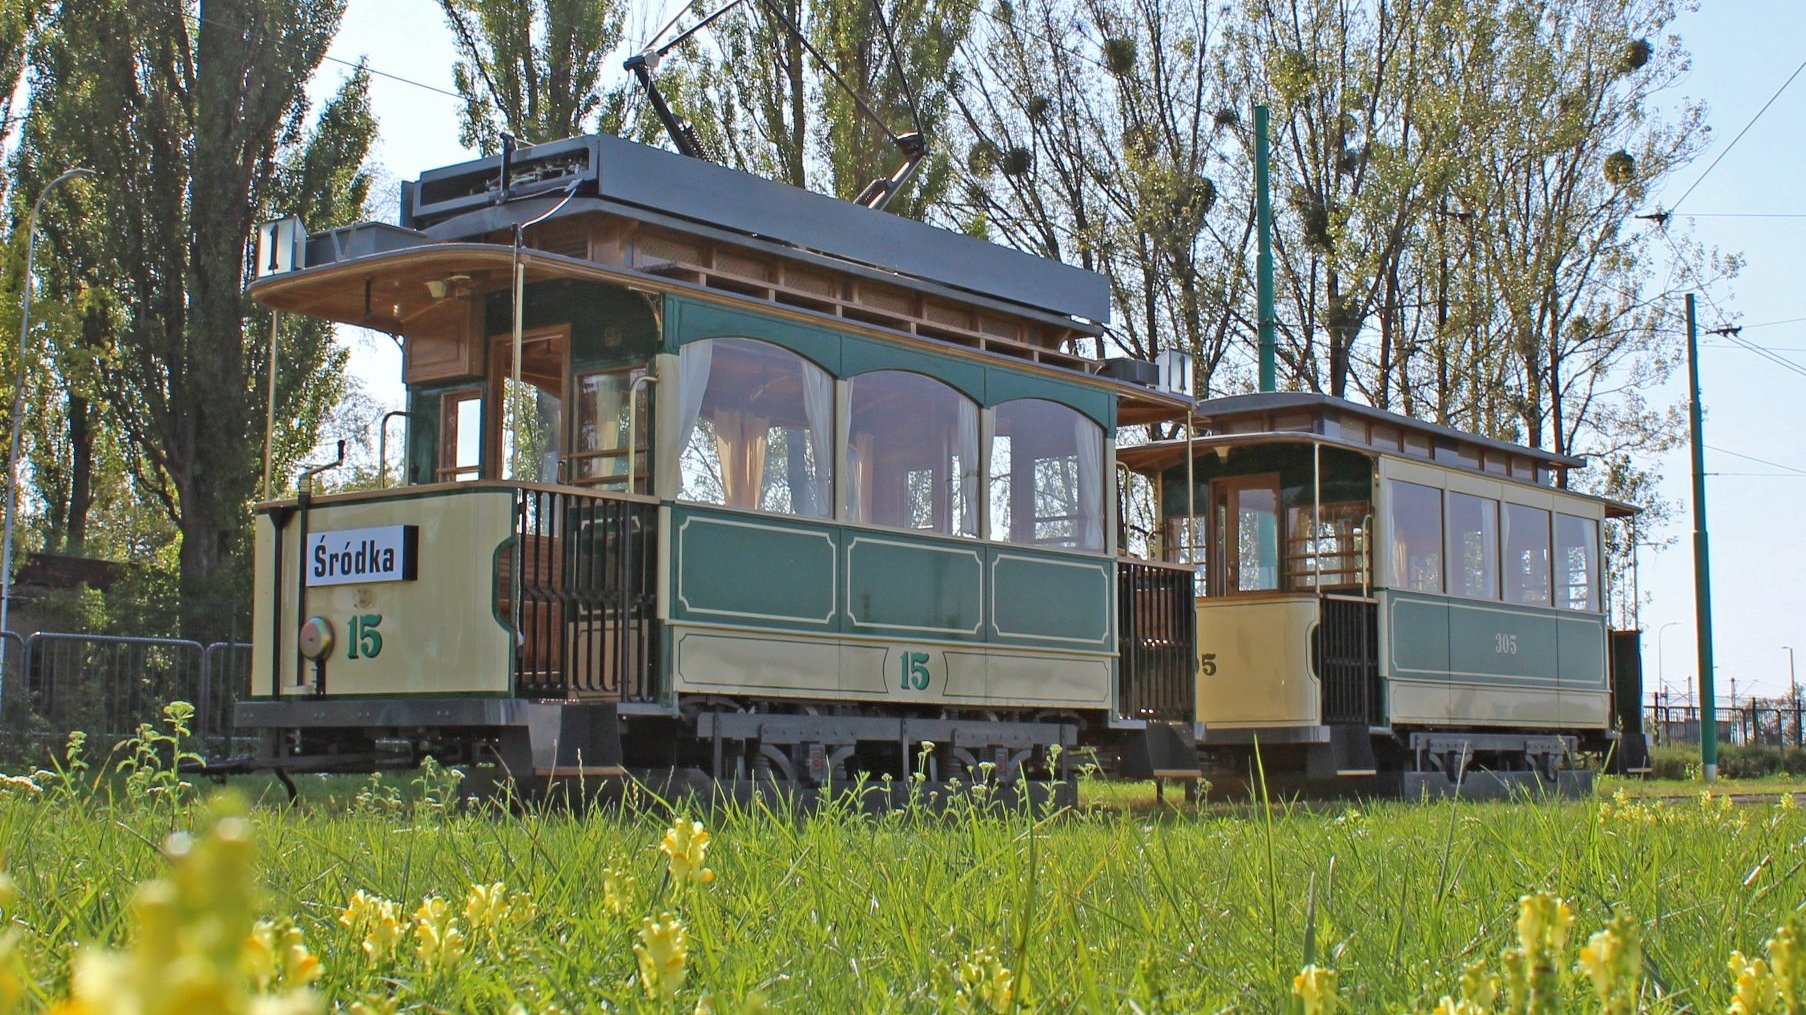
<point x="12" y="458"/>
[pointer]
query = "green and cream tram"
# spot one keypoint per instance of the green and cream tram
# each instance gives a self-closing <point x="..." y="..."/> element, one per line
<point x="1379" y="596"/>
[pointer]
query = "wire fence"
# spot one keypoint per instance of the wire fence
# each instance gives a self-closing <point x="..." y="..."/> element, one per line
<point x="1766" y="722"/>
<point x="53" y="683"/>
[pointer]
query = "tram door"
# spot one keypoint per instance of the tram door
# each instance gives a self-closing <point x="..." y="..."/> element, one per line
<point x="1245" y="534"/>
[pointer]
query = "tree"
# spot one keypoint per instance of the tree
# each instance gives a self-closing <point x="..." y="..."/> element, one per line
<point x="534" y="69"/>
<point x="205" y="104"/>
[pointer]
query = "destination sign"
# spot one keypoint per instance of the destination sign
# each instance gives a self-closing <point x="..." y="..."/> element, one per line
<point x="358" y="556"/>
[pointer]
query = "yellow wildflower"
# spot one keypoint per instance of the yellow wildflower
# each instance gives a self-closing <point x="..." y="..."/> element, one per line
<point x="1479" y="987"/>
<point x="378" y="920"/>
<point x="1613" y="960"/>
<point x="492" y="907"/>
<point x="1787" y="802"/>
<point x="1533" y="965"/>
<point x="1316" y="987"/>
<point x="14" y="974"/>
<point x="376" y="1004"/>
<point x="437" y="936"/>
<point x="685" y="845"/>
<point x="662" y="951"/>
<point x="617" y="890"/>
<point x="984" y="983"/>
<point x="1756" y="992"/>
<point x="275" y="955"/>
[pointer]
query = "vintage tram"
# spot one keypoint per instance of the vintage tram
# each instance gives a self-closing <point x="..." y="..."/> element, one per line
<point x="705" y="473"/>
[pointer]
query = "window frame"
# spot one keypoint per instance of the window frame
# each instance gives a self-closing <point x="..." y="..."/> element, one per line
<point x="1498" y="546"/>
<point x="1396" y="579"/>
<point x="445" y="460"/>
<point x="987" y="458"/>
<point x="847" y="478"/>
<point x="830" y="461"/>
<point x="1548" y="529"/>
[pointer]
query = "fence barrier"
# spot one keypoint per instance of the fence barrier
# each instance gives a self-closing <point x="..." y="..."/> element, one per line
<point x="1747" y="722"/>
<point x="52" y="683"/>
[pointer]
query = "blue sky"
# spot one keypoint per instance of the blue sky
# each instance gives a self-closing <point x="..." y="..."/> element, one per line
<point x="1742" y="50"/>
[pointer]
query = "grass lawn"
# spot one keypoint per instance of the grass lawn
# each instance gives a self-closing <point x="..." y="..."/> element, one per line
<point x="970" y="908"/>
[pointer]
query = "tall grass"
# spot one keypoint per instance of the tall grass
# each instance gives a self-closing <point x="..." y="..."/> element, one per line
<point x="836" y="911"/>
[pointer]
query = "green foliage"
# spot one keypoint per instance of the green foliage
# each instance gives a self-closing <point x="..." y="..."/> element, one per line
<point x="154" y="758"/>
<point x="534" y="69"/>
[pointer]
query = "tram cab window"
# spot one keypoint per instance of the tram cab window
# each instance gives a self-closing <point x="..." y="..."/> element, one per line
<point x="531" y="432"/>
<point x="1326" y="545"/>
<point x="599" y="445"/>
<point x="1576" y="563"/>
<point x="1188" y="542"/>
<point x="1246" y="529"/>
<point x="755" y="428"/>
<point x="912" y="454"/>
<point x="1526" y="557"/>
<point x="1473" y="546"/>
<point x="460" y="436"/>
<point x="1416" y="518"/>
<point x="1047" y="476"/>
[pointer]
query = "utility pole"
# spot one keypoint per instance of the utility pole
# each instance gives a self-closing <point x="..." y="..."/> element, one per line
<point x="1263" y="264"/>
<point x="1793" y="695"/>
<point x="1702" y="570"/>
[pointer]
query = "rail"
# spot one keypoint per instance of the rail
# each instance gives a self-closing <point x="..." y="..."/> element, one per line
<point x="582" y="580"/>
<point x="1347" y="652"/>
<point x="1156" y="633"/>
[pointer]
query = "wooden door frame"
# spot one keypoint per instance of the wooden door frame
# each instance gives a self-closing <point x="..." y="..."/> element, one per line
<point x="494" y="387"/>
<point x="1222" y="522"/>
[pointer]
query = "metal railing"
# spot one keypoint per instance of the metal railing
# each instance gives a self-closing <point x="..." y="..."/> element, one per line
<point x="1347" y="653"/>
<point x="1156" y="636"/>
<point x="585" y="596"/>
<point x="1745" y="722"/>
<point x="106" y="685"/>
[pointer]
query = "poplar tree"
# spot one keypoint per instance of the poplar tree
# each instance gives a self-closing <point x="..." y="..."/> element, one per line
<point x="196" y="118"/>
<point x="535" y="69"/>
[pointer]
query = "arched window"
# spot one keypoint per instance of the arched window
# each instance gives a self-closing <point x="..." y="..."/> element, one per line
<point x="755" y="428"/>
<point x="912" y="454"/>
<point x="1047" y="476"/>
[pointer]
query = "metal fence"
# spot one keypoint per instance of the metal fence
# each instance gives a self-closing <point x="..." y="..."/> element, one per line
<point x="1776" y="724"/>
<point x="52" y="683"/>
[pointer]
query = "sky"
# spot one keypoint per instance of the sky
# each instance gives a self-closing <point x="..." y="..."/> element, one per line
<point x="1749" y="203"/>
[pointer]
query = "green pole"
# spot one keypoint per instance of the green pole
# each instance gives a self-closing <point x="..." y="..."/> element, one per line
<point x="1263" y="265"/>
<point x="1702" y="572"/>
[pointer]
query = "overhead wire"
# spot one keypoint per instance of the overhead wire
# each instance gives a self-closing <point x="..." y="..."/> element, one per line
<point x="353" y="64"/>
<point x="1746" y="129"/>
<point x="1759" y="461"/>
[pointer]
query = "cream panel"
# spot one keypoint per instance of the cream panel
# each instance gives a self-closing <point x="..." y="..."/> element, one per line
<point x="772" y="664"/>
<point x="263" y="602"/>
<point x="1586" y="710"/>
<point x="1411" y="701"/>
<point x="1493" y="705"/>
<point x="1260" y="650"/>
<point x="439" y="633"/>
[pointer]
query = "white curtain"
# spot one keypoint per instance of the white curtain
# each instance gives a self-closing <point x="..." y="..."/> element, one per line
<point x="965" y="447"/>
<point x="692" y="383"/>
<point x="1090" y="440"/>
<point x="818" y="409"/>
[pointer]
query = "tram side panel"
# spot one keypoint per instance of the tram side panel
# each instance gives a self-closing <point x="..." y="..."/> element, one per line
<point x="761" y="606"/>
<point x="1254" y="665"/>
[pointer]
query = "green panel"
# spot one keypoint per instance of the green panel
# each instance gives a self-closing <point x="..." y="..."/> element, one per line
<point x="864" y="355"/>
<point x="894" y="585"/>
<point x="1419" y="630"/>
<point x="1005" y="385"/>
<point x="1064" y="600"/>
<point x="742" y="569"/>
<point x="1581" y="646"/>
<point x="1514" y="645"/>
<point x="691" y="321"/>
<point x="609" y="325"/>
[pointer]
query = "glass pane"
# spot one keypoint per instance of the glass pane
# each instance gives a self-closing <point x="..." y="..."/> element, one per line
<point x="912" y="454"/>
<point x="1526" y="557"/>
<point x="1047" y="476"/>
<point x="1187" y="539"/>
<point x="1416" y="537"/>
<point x="756" y="426"/>
<point x="600" y="455"/>
<point x="1576" y="563"/>
<point x="1256" y="514"/>
<point x="1473" y="546"/>
<point x="532" y="440"/>
<point x="1332" y="552"/>
<point x="460" y="436"/>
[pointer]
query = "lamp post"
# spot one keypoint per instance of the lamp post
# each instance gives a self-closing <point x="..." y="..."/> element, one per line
<point x="12" y="458"/>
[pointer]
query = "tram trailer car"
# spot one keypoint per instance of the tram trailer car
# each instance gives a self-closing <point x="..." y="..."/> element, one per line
<point x="709" y="474"/>
<point x="1388" y="603"/>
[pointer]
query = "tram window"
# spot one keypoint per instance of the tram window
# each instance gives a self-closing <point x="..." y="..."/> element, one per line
<point x="1576" y="563"/>
<point x="532" y="424"/>
<point x="461" y="436"/>
<point x="1326" y="543"/>
<point x="1416" y="537"/>
<point x="755" y="428"/>
<point x="599" y="457"/>
<point x="1187" y="542"/>
<point x="1047" y="476"/>
<point x="1248" y="524"/>
<point x="912" y="454"/>
<point x="1526" y="558"/>
<point x="1473" y="546"/>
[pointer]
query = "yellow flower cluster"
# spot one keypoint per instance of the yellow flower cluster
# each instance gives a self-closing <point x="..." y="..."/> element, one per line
<point x="663" y="951"/>
<point x="438" y="939"/>
<point x="1612" y="960"/>
<point x="1479" y="989"/>
<point x="1533" y="965"/>
<point x="492" y="910"/>
<point x="686" y="846"/>
<point x="1315" y="987"/>
<point x="1623" y="809"/>
<point x="984" y="984"/>
<point x="617" y="892"/>
<point x="379" y="922"/>
<point x="197" y="944"/>
<point x="1772" y="985"/>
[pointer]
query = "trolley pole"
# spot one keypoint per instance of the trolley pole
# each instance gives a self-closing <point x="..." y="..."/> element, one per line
<point x="1702" y="571"/>
<point x="1263" y="264"/>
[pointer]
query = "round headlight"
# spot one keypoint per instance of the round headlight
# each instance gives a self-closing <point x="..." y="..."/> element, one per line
<point x="316" y="638"/>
